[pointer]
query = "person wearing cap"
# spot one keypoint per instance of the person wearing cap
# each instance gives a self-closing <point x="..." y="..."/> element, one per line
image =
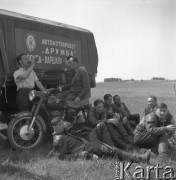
<point x="25" y="80"/>
<point x="71" y="141"/>
<point x="153" y="131"/>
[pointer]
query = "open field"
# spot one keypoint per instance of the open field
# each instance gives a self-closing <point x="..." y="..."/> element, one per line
<point x="135" y="93"/>
<point x="34" y="165"/>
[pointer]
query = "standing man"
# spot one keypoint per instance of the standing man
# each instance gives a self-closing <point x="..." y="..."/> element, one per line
<point x="80" y="87"/>
<point x="25" y="80"/>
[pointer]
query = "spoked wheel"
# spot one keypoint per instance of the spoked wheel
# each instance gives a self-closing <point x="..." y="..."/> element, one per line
<point x="22" y="138"/>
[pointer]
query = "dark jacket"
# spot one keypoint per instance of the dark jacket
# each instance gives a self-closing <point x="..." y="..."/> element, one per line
<point x="67" y="76"/>
<point x="168" y="119"/>
<point x="94" y="118"/>
<point x="121" y="109"/>
<point x="80" y="84"/>
<point x="149" y="110"/>
<point x="109" y="110"/>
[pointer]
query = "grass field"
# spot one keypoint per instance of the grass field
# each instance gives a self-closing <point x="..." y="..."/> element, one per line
<point x="135" y="93"/>
<point x="34" y="165"/>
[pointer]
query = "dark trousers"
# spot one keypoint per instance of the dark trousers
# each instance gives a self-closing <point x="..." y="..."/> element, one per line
<point x="23" y="101"/>
<point x="101" y="133"/>
<point x="115" y="136"/>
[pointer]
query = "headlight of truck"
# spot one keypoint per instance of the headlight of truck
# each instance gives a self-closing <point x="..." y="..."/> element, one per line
<point x="32" y="95"/>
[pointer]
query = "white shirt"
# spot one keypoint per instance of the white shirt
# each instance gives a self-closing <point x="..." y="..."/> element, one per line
<point x="29" y="82"/>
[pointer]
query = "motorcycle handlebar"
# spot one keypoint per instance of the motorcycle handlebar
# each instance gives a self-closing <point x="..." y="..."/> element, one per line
<point x="51" y="90"/>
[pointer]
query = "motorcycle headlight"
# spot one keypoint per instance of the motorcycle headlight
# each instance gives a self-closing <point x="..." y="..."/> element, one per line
<point x="32" y="95"/>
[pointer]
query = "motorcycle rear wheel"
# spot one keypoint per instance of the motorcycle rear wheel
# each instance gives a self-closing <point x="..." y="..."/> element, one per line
<point x="20" y="138"/>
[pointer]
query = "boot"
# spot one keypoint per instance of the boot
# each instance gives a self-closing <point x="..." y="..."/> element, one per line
<point x="132" y="157"/>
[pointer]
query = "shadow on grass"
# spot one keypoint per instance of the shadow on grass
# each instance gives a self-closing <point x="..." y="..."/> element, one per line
<point x="23" y="155"/>
<point x="13" y="170"/>
<point x="11" y="157"/>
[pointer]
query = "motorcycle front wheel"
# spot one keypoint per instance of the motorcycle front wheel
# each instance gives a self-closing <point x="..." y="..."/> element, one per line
<point x="20" y="137"/>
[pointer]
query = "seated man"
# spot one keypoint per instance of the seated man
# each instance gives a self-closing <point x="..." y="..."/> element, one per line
<point x="125" y="126"/>
<point x="69" y="143"/>
<point x="67" y="76"/>
<point x="122" y="109"/>
<point x="98" y="114"/>
<point x="151" y="105"/>
<point x="80" y="87"/>
<point x="76" y="87"/>
<point x="108" y="105"/>
<point x="153" y="132"/>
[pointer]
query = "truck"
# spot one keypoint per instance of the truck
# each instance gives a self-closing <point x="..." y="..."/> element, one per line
<point x="51" y="42"/>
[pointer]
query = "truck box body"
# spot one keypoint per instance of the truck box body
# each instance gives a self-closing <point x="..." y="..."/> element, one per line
<point x="50" y="41"/>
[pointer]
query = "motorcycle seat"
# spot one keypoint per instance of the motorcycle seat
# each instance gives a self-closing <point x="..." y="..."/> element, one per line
<point x="83" y="103"/>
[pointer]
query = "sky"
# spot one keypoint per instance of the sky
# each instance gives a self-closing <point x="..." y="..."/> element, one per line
<point x="135" y="39"/>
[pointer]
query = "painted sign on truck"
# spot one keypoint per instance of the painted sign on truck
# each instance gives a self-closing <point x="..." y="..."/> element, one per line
<point x="51" y="50"/>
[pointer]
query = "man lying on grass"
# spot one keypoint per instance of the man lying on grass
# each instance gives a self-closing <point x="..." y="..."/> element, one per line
<point x="154" y="131"/>
<point x="73" y="140"/>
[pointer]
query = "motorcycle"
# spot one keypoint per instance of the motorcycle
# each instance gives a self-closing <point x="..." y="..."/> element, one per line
<point x="27" y="129"/>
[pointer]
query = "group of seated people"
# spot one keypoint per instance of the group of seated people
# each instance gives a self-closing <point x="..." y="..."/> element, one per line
<point x="111" y="130"/>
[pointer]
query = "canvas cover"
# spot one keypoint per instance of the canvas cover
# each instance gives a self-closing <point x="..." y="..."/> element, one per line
<point x="50" y="41"/>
